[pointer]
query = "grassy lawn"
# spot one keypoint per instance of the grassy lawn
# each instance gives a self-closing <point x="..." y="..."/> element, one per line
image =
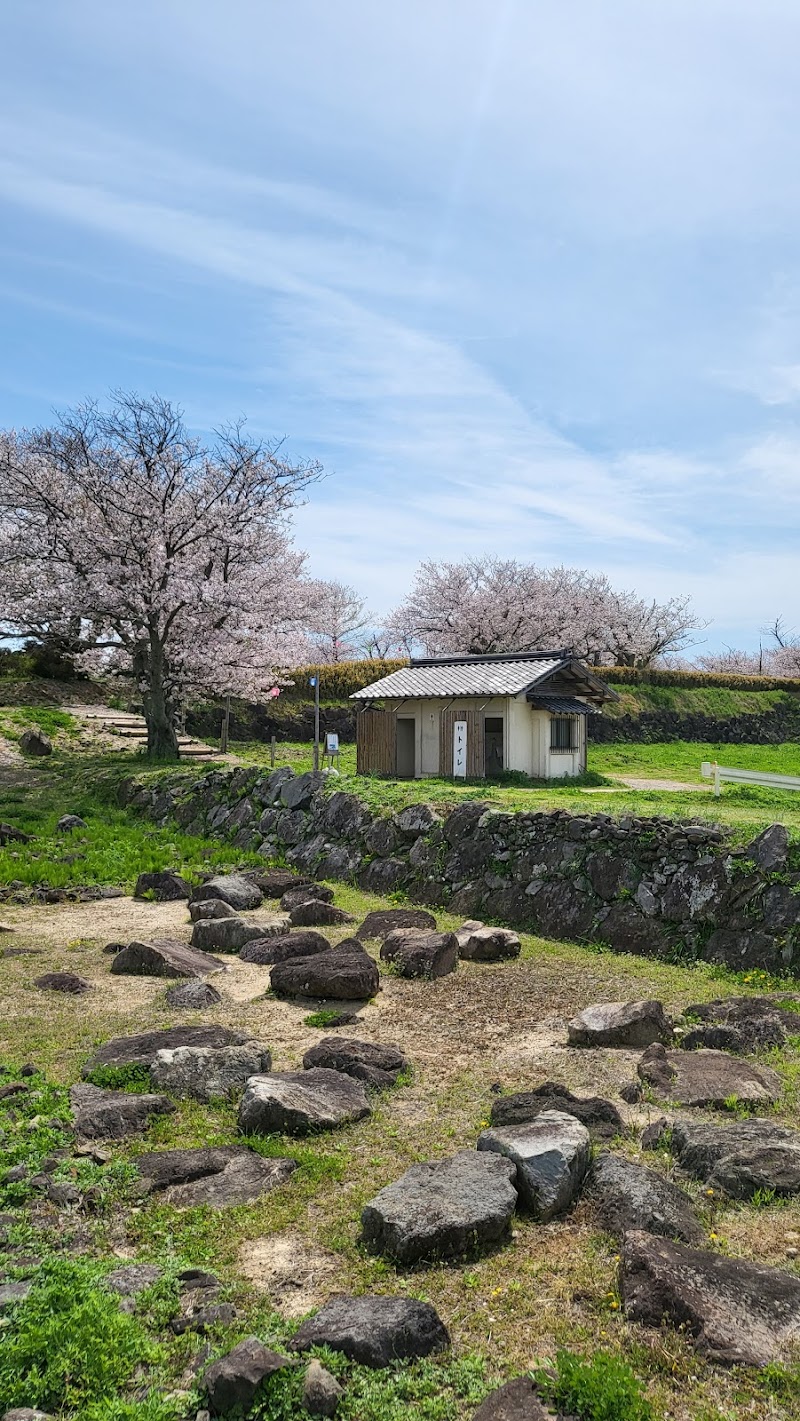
<point x="718" y="701"/>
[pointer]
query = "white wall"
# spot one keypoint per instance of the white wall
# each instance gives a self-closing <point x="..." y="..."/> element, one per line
<point x="526" y="735"/>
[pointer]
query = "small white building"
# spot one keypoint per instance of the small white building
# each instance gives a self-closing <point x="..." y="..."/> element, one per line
<point x="476" y="716"/>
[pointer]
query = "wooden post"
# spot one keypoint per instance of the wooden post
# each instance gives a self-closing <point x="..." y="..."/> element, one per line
<point x="272" y="752"/>
<point x="226" y="725"/>
<point x="315" y="684"/>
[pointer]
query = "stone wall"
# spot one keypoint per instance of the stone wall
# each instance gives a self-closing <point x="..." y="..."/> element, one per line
<point x="655" y="886"/>
<point x="770" y="727"/>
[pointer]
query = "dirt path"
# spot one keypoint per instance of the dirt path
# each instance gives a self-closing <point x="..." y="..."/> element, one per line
<point x="633" y="782"/>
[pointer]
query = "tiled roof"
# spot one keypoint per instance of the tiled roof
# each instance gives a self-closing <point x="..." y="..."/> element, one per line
<point x="563" y="705"/>
<point x="464" y="677"/>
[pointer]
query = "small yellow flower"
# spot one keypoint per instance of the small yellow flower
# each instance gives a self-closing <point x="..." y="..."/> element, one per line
<point x="710" y="1193"/>
<point x="614" y="1306"/>
<point x="713" y="1237"/>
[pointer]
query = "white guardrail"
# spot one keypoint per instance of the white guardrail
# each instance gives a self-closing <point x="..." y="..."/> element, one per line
<point x="719" y="773"/>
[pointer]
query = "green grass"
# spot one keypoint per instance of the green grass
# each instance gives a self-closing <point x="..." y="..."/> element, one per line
<point x="718" y="701"/>
<point x="13" y="723"/>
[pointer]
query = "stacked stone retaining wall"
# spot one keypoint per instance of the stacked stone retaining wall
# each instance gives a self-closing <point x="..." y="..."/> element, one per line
<point x="656" y="886"/>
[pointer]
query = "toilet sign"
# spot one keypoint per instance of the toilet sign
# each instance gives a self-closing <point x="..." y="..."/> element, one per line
<point x="460" y="749"/>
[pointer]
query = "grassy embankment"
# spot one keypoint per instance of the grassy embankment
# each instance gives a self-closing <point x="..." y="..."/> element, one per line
<point x="550" y="1287"/>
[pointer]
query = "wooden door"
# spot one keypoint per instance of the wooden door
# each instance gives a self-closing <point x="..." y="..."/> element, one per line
<point x="475" y="756"/>
<point x="376" y="742"/>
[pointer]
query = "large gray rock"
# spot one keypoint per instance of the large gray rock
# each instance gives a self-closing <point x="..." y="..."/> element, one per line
<point x="202" y="1073"/>
<point x="298" y="793"/>
<point x="442" y="1209"/>
<point x="375" y="1065"/>
<point x="133" y="1279"/>
<point x="162" y="886"/>
<point x="741" y="1157"/>
<point x="737" y="1313"/>
<point x="233" y="888"/>
<point x="301" y="1102"/>
<point x="374" y="1331"/>
<point x="551" y="1154"/>
<point x="274" y="882"/>
<point x="516" y="1401"/>
<point x="193" y="996"/>
<point x="231" y="934"/>
<point x="306" y="893"/>
<point x="383" y="921"/>
<point x="770" y="848"/>
<point x="414" y="820"/>
<point x="163" y="958"/>
<point x="627" y="1196"/>
<point x="477" y="943"/>
<point x="142" y="1049"/>
<point x="210" y="908"/>
<point x="620" y="1024"/>
<point x="283" y="947"/>
<point x="113" y="1114"/>
<point x="383" y="875"/>
<point x="218" y="1177"/>
<point x="315" y="913"/>
<point x="741" y="1024"/>
<point x="346" y="973"/>
<point x="233" y="1381"/>
<point x="34" y="742"/>
<point x="416" y="953"/>
<point x="707" y="1077"/>
<point x="27" y="1413"/>
<point x="601" y="1117"/>
<point x="66" y="982"/>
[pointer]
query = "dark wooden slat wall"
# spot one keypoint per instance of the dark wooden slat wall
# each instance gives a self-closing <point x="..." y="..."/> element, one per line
<point x="376" y="742"/>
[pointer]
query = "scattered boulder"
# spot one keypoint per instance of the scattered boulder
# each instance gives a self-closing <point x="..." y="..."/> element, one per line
<point x="516" y="1401"/>
<point x="163" y="887"/>
<point x="142" y="1049"/>
<point x="27" y="1413"/>
<point x="193" y="996"/>
<point x="204" y="908"/>
<point x="627" y="1196"/>
<point x="203" y="1073"/>
<point x="345" y="973"/>
<point x="218" y="1177"/>
<point x="738" y="1313"/>
<point x="63" y="982"/>
<point x="10" y="835"/>
<point x="68" y="822"/>
<point x="707" y="1077"/>
<point x="306" y="893"/>
<point x="35" y="742"/>
<point x="283" y="947"/>
<point x="231" y="934"/>
<point x="379" y="924"/>
<point x="321" y="1391"/>
<point x="113" y="1114"/>
<point x="477" y="943"/>
<point x="12" y="1293"/>
<point x="233" y="888"/>
<point x="620" y="1024"/>
<point x="133" y="1279"/>
<point x="770" y="849"/>
<point x="163" y="958"/>
<point x="416" y="953"/>
<point x="374" y="1331"/>
<point x="315" y="913"/>
<point x="277" y="881"/>
<point x="740" y="1157"/>
<point x="551" y="1154"/>
<point x="299" y="1102"/>
<point x="377" y="1066"/>
<point x="601" y="1117"/>
<point x="234" y="1380"/>
<point x="442" y="1209"/>
<point x="741" y="1024"/>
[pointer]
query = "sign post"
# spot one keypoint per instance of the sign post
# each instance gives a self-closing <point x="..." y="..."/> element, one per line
<point x="314" y="681"/>
<point x="332" y="749"/>
<point x="460" y="749"/>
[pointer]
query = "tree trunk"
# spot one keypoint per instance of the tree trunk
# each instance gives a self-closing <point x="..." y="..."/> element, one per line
<point x="162" y="738"/>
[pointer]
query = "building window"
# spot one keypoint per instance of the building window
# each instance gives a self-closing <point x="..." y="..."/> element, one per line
<point x="563" y="733"/>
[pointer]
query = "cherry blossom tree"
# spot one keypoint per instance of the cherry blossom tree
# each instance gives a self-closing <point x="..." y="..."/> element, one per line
<point x="336" y="617"/>
<point x="172" y="559"/>
<point x="487" y="605"/>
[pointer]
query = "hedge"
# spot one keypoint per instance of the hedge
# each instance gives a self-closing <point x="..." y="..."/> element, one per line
<point x="339" y="679"/>
<point x="652" y="676"/>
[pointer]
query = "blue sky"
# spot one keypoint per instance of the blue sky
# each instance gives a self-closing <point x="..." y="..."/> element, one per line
<point x="526" y="277"/>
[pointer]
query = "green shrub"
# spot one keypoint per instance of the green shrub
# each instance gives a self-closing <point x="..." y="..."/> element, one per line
<point x="132" y="1076"/>
<point x="602" y="1389"/>
<point x="322" y="1018"/>
<point x="652" y="676"/>
<point x="69" y="1344"/>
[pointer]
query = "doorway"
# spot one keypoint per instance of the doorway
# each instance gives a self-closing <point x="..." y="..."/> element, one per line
<point x="406" y="748"/>
<point x="493" y="745"/>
